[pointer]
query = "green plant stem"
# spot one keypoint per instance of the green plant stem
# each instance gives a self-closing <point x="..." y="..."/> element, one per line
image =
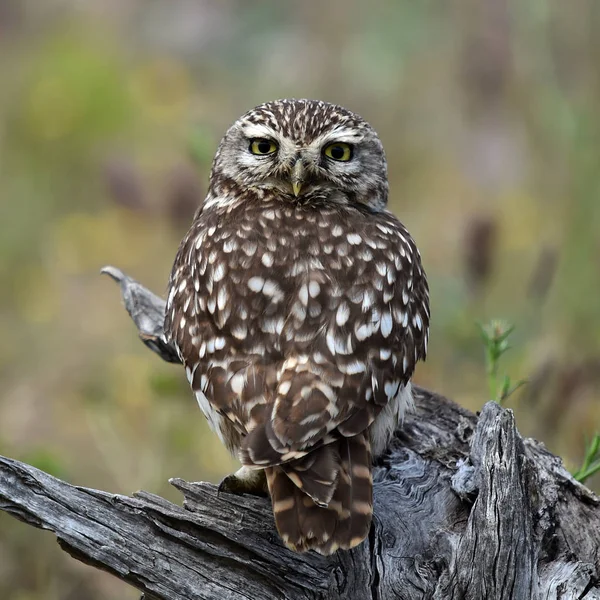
<point x="591" y="461"/>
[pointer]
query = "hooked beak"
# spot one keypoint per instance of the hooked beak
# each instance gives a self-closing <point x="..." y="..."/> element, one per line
<point x="297" y="177"/>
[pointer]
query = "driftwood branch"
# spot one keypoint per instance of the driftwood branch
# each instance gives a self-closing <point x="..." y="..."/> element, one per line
<point x="464" y="509"/>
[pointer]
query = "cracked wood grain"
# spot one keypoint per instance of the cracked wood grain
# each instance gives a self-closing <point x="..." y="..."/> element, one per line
<point x="464" y="508"/>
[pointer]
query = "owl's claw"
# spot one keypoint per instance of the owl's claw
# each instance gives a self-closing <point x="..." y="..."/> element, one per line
<point x="244" y="481"/>
<point x="231" y="485"/>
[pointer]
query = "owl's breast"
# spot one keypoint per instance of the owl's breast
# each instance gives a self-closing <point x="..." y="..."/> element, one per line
<point x="258" y="291"/>
<point x="266" y="276"/>
<point x="271" y="277"/>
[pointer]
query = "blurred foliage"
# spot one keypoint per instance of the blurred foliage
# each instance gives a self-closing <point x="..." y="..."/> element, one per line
<point x="110" y="113"/>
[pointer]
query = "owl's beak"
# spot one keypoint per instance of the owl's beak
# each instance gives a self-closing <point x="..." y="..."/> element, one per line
<point x="297" y="177"/>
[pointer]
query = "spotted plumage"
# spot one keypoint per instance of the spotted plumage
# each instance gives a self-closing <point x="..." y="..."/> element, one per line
<point x="299" y="307"/>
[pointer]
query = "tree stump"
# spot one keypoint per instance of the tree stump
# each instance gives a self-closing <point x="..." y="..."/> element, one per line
<point x="464" y="509"/>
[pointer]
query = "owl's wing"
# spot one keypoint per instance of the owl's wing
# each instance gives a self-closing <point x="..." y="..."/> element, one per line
<point x="315" y="441"/>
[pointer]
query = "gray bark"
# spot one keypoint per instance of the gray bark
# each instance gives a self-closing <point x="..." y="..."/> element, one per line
<point x="464" y="509"/>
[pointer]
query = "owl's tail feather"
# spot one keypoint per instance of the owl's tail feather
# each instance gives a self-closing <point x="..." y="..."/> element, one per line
<point x="345" y="520"/>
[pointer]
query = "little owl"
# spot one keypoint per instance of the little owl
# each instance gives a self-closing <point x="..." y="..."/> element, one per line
<point x="299" y="307"/>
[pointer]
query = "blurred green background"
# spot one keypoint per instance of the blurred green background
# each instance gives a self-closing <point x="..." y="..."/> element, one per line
<point x="110" y="112"/>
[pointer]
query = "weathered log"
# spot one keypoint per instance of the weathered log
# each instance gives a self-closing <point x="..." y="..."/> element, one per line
<point x="464" y="509"/>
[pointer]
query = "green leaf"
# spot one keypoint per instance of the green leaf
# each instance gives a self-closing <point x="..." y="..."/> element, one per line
<point x="591" y="460"/>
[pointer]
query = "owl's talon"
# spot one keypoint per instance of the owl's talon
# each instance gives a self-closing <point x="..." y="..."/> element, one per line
<point x="244" y="481"/>
<point x="230" y="485"/>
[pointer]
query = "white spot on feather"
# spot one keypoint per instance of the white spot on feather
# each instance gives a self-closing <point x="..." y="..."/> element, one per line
<point x="272" y="290"/>
<point x="418" y="321"/>
<point x="284" y="387"/>
<point x="211" y="305"/>
<point x="219" y="272"/>
<point x="363" y="332"/>
<point x="249" y="248"/>
<point x="342" y="314"/>
<point x="309" y="419"/>
<point x="299" y="311"/>
<point x="353" y="367"/>
<point x="230" y="246"/>
<point x="171" y="296"/>
<point x="303" y="294"/>
<point x="330" y="339"/>
<point x="386" y="324"/>
<point x="239" y="331"/>
<point x="222" y="297"/>
<point x="237" y="383"/>
<point x="368" y="299"/>
<point x="391" y="388"/>
<point x="256" y="283"/>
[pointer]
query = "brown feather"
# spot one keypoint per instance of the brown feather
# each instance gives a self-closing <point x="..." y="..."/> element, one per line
<point x="345" y="519"/>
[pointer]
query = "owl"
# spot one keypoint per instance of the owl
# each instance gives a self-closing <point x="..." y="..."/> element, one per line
<point x="299" y="307"/>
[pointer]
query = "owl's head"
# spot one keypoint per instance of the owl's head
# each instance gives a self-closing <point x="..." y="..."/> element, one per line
<point x="303" y="150"/>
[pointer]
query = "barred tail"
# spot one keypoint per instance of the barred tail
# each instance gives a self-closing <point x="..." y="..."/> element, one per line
<point x="342" y="521"/>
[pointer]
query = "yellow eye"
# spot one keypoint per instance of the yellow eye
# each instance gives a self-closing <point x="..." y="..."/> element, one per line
<point x="339" y="151"/>
<point x="261" y="146"/>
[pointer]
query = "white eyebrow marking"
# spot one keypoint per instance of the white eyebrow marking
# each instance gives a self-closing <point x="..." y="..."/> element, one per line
<point x="340" y="134"/>
<point x="255" y="130"/>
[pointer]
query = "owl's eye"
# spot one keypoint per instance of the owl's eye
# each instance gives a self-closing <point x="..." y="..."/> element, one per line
<point x="262" y="147"/>
<point x="339" y="151"/>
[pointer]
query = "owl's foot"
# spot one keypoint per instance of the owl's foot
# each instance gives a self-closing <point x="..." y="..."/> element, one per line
<point x="245" y="481"/>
